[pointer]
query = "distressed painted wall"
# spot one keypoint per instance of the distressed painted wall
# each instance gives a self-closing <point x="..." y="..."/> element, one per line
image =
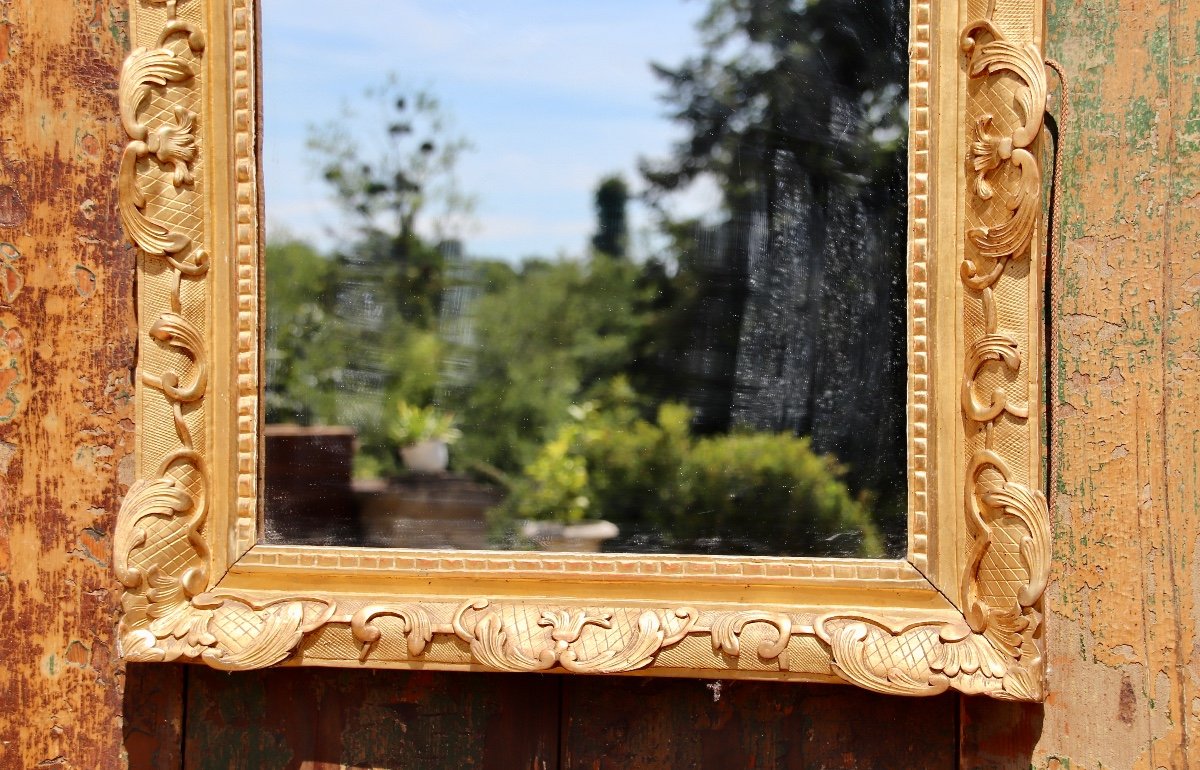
<point x="66" y="342"/>
<point x="1125" y="460"/>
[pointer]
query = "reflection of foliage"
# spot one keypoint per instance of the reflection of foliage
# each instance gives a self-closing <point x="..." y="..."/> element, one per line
<point x="666" y="490"/>
<point x="408" y="425"/>
<point x="305" y="357"/>
<point x="357" y="330"/>
<point x="544" y="335"/>
<point x="385" y="181"/>
<point x="689" y="349"/>
<point x="612" y="230"/>
<point x="325" y="365"/>
<point x="820" y="82"/>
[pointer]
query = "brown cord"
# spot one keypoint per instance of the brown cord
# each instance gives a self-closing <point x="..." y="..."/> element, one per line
<point x="1052" y="260"/>
<point x="1056" y="183"/>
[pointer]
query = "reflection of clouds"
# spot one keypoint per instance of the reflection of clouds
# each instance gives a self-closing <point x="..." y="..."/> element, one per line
<point x="521" y="227"/>
<point x="563" y="98"/>
<point x="601" y="48"/>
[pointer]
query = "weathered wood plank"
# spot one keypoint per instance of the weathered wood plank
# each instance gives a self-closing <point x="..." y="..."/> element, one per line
<point x="1124" y="448"/>
<point x="628" y="724"/>
<point x="66" y="346"/>
<point x="153" y="723"/>
<point x="320" y="719"/>
<point x="1174" y="556"/>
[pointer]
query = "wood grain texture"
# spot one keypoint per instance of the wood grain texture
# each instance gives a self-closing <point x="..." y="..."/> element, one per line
<point x="617" y="724"/>
<point x="153" y="716"/>
<point x="66" y="347"/>
<point x="320" y="720"/>
<point x="1125" y="450"/>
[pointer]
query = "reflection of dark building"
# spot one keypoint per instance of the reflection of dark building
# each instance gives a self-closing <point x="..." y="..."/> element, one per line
<point x="805" y="137"/>
<point x="307" y="488"/>
<point x="455" y="323"/>
<point x="696" y="360"/>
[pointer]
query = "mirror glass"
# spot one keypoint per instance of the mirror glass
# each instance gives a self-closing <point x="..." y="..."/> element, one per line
<point x="617" y="276"/>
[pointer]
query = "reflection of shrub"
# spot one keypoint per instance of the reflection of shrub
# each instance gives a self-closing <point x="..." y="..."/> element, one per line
<point x="772" y="491"/>
<point x="409" y="425"/>
<point x="749" y="493"/>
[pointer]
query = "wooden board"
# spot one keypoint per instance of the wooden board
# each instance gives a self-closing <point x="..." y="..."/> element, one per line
<point x="66" y="344"/>
<point x="615" y="724"/>
<point x="320" y="719"/>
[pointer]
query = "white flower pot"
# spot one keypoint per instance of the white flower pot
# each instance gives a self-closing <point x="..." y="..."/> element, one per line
<point x="426" y="456"/>
<point x="585" y="537"/>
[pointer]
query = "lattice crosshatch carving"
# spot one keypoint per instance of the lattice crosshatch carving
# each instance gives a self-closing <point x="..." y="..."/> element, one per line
<point x="962" y="611"/>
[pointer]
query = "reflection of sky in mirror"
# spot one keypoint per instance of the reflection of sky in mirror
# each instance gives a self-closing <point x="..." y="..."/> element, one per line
<point x="552" y="96"/>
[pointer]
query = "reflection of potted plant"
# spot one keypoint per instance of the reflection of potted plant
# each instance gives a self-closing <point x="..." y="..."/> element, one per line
<point x="424" y="435"/>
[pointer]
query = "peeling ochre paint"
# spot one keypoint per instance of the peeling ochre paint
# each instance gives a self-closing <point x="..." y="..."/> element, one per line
<point x="12" y="209"/>
<point x="78" y="654"/>
<point x="85" y="281"/>
<point x="90" y="145"/>
<point x="11" y="279"/>
<point x="7" y="453"/>
<point x="12" y="380"/>
<point x="59" y="154"/>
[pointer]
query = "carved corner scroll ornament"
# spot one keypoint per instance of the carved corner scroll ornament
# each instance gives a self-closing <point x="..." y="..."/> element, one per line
<point x="174" y="609"/>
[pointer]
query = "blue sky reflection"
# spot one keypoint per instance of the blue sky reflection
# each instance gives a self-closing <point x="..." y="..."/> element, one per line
<point x="552" y="95"/>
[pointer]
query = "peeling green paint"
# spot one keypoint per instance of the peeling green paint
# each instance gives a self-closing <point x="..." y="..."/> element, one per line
<point x="1140" y="122"/>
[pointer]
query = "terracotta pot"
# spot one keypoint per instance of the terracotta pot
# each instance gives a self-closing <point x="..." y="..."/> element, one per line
<point x="426" y="456"/>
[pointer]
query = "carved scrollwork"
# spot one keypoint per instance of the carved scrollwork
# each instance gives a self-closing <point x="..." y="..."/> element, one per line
<point x="996" y="649"/>
<point x="418" y="627"/>
<point x="176" y="331"/>
<point x="226" y="632"/>
<point x="175" y="145"/>
<point x="495" y="643"/>
<point x="162" y="555"/>
<point x="145" y="70"/>
<point x="147" y="497"/>
<point x="922" y="658"/>
<point x="727" y="629"/>
<point x="991" y="347"/>
<point x="991" y="150"/>
<point x="251" y="634"/>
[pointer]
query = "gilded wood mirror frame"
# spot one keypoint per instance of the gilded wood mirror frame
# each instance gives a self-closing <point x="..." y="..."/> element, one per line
<point x="963" y="610"/>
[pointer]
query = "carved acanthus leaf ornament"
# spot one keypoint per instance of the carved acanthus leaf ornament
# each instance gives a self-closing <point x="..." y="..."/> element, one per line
<point x="162" y="553"/>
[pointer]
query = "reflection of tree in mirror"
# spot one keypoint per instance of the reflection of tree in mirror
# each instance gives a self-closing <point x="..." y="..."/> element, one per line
<point x="612" y="229"/>
<point x="361" y="326"/>
<point x="798" y="111"/>
<point x="698" y="398"/>
<point x="400" y="169"/>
